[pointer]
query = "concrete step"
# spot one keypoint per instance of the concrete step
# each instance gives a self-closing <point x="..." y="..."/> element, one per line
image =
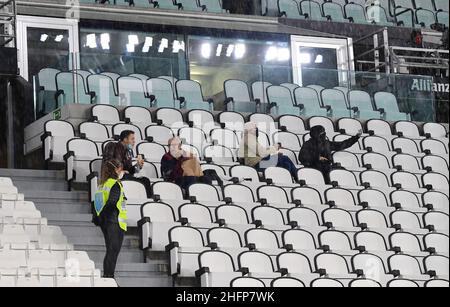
<point x="127" y="255"/>
<point x="34" y="173"/>
<point x="155" y="280"/>
<point x="55" y="196"/>
<point x="61" y="208"/>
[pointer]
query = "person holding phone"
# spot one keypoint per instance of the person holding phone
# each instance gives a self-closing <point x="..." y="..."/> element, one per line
<point x="317" y="151"/>
<point x="260" y="157"/>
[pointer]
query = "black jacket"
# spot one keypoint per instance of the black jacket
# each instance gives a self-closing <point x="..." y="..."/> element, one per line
<point x="110" y="213"/>
<point x="318" y="147"/>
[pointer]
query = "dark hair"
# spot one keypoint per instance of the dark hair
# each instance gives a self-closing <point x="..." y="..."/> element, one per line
<point x="109" y="170"/>
<point x="124" y="134"/>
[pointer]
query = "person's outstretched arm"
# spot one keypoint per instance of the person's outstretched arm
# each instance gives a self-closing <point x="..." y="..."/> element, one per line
<point x="338" y="146"/>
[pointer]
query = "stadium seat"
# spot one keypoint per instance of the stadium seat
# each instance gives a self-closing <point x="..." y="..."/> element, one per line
<point x="71" y="89"/>
<point x="204" y="192"/>
<point x="337" y="241"/>
<point x="326" y="283"/>
<point x="312" y="10"/>
<point x="217" y="269"/>
<point x="408" y="244"/>
<point x="191" y="97"/>
<point x="436" y="181"/>
<point x="138" y="116"/>
<point x="106" y="115"/>
<point x="291" y="123"/>
<point x="438" y="242"/>
<point x="387" y="104"/>
<point x="289" y="9"/>
<point x="296" y="266"/>
<point x="286" y="282"/>
<point x="228" y="240"/>
<point x="80" y="152"/>
<point x="212" y="6"/>
<point x="167" y="191"/>
<point x="348" y="160"/>
<point x="333" y="11"/>
<point x="436" y="283"/>
<point x="102" y="88"/>
<point x="161" y="93"/>
<point x="439" y="264"/>
<point x="190" y="5"/>
<point x="271" y="217"/>
<point x="186" y="243"/>
<point x="335" y="100"/>
<point x="131" y="91"/>
<point x="402" y="283"/>
<point x="159" y="134"/>
<point x="95" y="132"/>
<point x="281" y="101"/>
<point x="408" y="163"/>
<point x="307" y="99"/>
<point x="259" y="91"/>
<point x="378" y="15"/>
<point x="225" y="137"/>
<point x="259" y="265"/>
<point x="335" y="266"/>
<point x="363" y="103"/>
<point x="202" y="119"/>
<point x="438" y="220"/>
<point x="237" y="93"/>
<point x="233" y="121"/>
<point x="372" y="266"/>
<point x="406" y="145"/>
<point x="247" y="282"/>
<point x="355" y="13"/>
<point x="152" y="152"/>
<point x="408" y="267"/>
<point x="437" y="200"/>
<point x="425" y="18"/>
<point x="197" y="216"/>
<point x="56" y="135"/>
<point x="166" y="4"/>
<point x="340" y="219"/>
<point x="364" y="283"/>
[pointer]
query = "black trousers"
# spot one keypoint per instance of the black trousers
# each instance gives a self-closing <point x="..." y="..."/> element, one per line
<point x="144" y="180"/>
<point x="113" y="239"/>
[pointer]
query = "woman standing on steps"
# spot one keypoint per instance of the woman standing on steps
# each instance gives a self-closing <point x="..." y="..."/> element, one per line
<point x="110" y="213"/>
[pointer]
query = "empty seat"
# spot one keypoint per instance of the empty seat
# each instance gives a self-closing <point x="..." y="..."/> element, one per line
<point x="216" y="269"/>
<point x="167" y="191"/>
<point x="286" y="282"/>
<point x="95" y="132"/>
<point x="233" y="121"/>
<point x="335" y="266"/>
<point x="281" y="101"/>
<point x="71" y="89"/>
<point x="407" y="266"/>
<point x="220" y="155"/>
<point x="348" y="160"/>
<point x="296" y="266"/>
<point x="407" y="181"/>
<point x="407" y="129"/>
<point x="271" y="217"/>
<point x="425" y="18"/>
<point x="196" y="215"/>
<point x="434" y="147"/>
<point x="438" y="200"/>
<point x="435" y="130"/>
<point x="402" y="283"/>
<point x="289" y="9"/>
<point x="259" y="90"/>
<point x="406" y="145"/>
<point x="333" y="11"/>
<point x="308" y="101"/>
<point x="437" y="283"/>
<point x="378" y="15"/>
<point x="438" y="241"/>
<point x="408" y="244"/>
<point x="132" y="91"/>
<point x="439" y="220"/>
<point x="436" y="181"/>
<point x="338" y="242"/>
<point x="190" y="5"/>
<point x="247" y="282"/>
<point x="326" y="283"/>
<point x="340" y="219"/>
<point x="259" y="265"/>
<point x="439" y="264"/>
<point x="364" y="283"/>
<point x="225" y="137"/>
<point x="372" y="266"/>
<point x="435" y="164"/>
<point x="361" y="102"/>
<point x="291" y="123"/>
<point x="202" y="119"/>
<point x="238" y="193"/>
<point x="335" y="100"/>
<point x="151" y="152"/>
<point x="190" y="95"/>
<point x="161" y="93"/>
<point x="186" y="243"/>
<point x="387" y="104"/>
<point x="406" y="200"/>
<point x="166" y="4"/>
<point x="138" y="116"/>
<point x="160" y="134"/>
<point x="204" y="192"/>
<point x="172" y="118"/>
<point x="355" y="13"/>
<point x="157" y="219"/>
<point x="311" y="10"/>
<point x="56" y="135"/>
<point x="105" y="114"/>
<point x="408" y="163"/>
<point x="102" y="88"/>
<point x="80" y="152"/>
<point x="212" y="6"/>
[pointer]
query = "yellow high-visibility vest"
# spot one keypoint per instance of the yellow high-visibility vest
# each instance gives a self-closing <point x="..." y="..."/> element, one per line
<point x="102" y="196"/>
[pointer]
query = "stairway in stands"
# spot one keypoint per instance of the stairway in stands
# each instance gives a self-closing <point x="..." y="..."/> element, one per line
<point x="71" y="211"/>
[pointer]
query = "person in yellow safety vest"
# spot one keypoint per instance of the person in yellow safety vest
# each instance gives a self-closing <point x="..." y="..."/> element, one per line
<point x="110" y="213"/>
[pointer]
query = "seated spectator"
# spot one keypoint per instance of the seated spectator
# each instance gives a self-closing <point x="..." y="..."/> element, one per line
<point x="181" y="167"/>
<point x="123" y="151"/>
<point x="317" y="151"/>
<point x="260" y="157"/>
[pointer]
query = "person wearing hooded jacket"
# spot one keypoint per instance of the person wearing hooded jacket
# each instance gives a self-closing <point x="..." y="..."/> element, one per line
<point x="317" y="151"/>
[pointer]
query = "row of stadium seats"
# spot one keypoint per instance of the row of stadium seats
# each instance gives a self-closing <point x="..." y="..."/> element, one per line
<point x="408" y="13"/>
<point x="287" y="98"/>
<point x="33" y="253"/>
<point x="374" y="13"/>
